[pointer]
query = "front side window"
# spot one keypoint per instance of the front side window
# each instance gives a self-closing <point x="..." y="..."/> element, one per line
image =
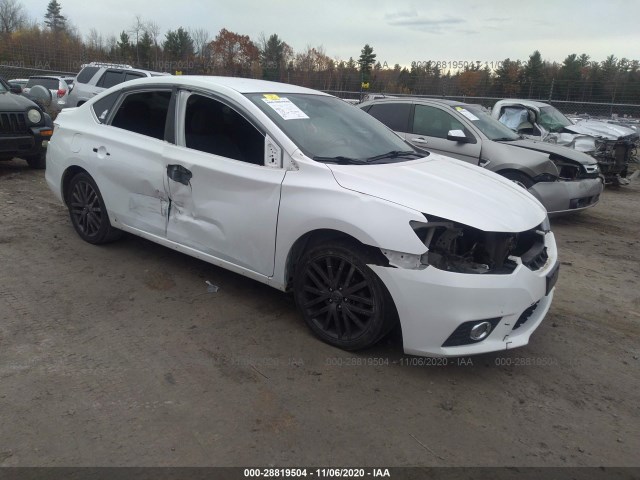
<point x="144" y="113"/>
<point x="492" y="128"/>
<point x="328" y="129"/>
<point x="393" y="115"/>
<point x="433" y="122"/>
<point x="213" y="127"/>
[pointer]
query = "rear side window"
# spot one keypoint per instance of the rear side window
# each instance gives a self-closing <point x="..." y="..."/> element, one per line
<point x="103" y="107"/>
<point x="144" y="113"/>
<point x="393" y="115"/>
<point x="86" y="74"/>
<point x="111" y="78"/>
<point x="48" y="83"/>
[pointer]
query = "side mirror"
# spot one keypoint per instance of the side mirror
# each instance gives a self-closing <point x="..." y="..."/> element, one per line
<point x="17" y="89"/>
<point x="458" y="136"/>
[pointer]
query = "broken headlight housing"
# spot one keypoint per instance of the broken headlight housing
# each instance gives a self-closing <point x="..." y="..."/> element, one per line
<point x="459" y="248"/>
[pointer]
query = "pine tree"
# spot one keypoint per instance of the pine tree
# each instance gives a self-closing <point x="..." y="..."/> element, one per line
<point x="53" y="18"/>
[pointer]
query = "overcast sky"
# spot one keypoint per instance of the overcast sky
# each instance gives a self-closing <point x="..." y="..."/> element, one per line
<point x="399" y="31"/>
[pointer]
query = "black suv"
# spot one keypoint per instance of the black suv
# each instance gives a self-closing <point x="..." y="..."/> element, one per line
<point x="25" y="129"/>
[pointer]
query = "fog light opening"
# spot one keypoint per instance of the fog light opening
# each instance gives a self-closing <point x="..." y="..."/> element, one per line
<point x="480" y="331"/>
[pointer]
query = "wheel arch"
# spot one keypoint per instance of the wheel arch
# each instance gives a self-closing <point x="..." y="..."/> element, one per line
<point x="310" y="239"/>
<point x="68" y="174"/>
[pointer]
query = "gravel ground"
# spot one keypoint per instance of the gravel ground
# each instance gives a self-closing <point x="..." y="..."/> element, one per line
<point x="117" y="355"/>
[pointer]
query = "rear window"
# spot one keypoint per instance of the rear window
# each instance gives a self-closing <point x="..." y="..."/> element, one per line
<point x="133" y="76"/>
<point x="103" y="107"/>
<point x="48" y="83"/>
<point x="86" y="74"/>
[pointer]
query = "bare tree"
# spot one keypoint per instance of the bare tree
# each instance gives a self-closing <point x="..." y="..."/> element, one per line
<point x="153" y="29"/>
<point x="136" y="30"/>
<point x="201" y="39"/>
<point x="12" y="16"/>
<point x="95" y="41"/>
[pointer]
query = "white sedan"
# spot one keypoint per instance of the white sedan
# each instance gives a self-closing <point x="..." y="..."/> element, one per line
<point x="299" y="190"/>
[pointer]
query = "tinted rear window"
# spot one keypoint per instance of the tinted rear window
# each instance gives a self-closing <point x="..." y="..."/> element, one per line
<point x="48" y="83"/>
<point x="393" y="115"/>
<point x="86" y="74"/>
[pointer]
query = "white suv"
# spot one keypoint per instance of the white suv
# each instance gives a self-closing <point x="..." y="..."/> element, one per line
<point x="95" y="78"/>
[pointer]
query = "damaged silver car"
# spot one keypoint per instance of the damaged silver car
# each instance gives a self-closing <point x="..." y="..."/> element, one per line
<point x="560" y="178"/>
<point x="612" y="145"/>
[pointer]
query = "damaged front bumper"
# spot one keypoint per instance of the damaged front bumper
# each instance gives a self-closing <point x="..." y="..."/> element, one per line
<point x="438" y="308"/>
<point x="566" y="196"/>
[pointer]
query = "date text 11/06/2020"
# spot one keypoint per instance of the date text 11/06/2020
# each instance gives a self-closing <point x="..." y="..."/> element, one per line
<point x="316" y="472"/>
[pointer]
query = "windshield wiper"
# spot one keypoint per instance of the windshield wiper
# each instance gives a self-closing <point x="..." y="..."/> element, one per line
<point x="342" y="160"/>
<point x="394" y="154"/>
<point x="505" y="139"/>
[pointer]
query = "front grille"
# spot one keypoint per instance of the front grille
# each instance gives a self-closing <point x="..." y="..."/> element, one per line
<point x="12" y="123"/>
<point x="525" y="316"/>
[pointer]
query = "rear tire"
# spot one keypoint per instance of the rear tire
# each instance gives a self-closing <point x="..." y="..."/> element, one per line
<point x="88" y="212"/>
<point x="342" y="300"/>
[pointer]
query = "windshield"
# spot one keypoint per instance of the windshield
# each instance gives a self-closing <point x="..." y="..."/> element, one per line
<point x="329" y="130"/>
<point x="552" y="120"/>
<point x="492" y="128"/>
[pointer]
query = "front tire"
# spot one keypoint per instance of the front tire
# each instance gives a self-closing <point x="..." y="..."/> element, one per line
<point x="519" y="179"/>
<point x="88" y="212"/>
<point x="37" y="162"/>
<point x="341" y="299"/>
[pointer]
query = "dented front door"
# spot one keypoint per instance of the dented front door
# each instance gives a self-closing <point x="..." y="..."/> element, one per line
<point x="223" y="207"/>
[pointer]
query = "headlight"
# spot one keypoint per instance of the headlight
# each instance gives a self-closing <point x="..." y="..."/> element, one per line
<point x="34" y="116"/>
<point x="546" y="225"/>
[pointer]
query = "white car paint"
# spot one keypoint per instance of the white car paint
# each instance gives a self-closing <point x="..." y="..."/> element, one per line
<point x="247" y="218"/>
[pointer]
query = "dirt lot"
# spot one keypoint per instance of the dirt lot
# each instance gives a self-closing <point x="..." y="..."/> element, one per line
<point x="117" y="355"/>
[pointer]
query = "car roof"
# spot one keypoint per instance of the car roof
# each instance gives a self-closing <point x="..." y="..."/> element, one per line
<point x="54" y="77"/>
<point x="532" y="103"/>
<point x="240" y="85"/>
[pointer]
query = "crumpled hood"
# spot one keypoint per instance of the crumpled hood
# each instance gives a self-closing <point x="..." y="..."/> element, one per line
<point x="597" y="128"/>
<point x="550" y="148"/>
<point x="447" y="188"/>
<point x="10" y="102"/>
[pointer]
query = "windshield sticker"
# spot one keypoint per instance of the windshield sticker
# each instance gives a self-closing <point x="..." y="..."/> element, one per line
<point x="286" y="108"/>
<point x="271" y="96"/>
<point x="467" y="113"/>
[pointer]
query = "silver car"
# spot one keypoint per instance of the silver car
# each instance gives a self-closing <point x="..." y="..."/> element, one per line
<point x="56" y="85"/>
<point x="562" y="179"/>
<point x="613" y="146"/>
<point x="95" y="78"/>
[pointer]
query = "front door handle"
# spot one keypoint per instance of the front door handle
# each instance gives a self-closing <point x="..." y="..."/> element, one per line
<point x="179" y="174"/>
<point x="419" y="140"/>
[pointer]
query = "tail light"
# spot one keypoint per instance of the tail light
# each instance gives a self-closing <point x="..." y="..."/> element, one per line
<point x="61" y="92"/>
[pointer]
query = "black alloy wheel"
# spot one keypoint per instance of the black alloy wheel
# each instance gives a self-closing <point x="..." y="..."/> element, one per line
<point x="88" y="212"/>
<point x="341" y="298"/>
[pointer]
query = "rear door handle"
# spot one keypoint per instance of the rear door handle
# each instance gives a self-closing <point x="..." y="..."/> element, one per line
<point x="99" y="150"/>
